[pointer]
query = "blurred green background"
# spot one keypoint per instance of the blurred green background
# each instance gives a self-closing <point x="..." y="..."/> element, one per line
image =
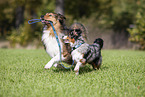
<point x="121" y="23"/>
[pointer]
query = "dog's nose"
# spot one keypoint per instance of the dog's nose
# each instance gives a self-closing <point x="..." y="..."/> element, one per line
<point x="42" y="17"/>
<point x="64" y="37"/>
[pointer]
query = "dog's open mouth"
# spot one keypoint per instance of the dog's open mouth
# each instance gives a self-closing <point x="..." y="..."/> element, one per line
<point x="66" y="40"/>
<point x="46" y="21"/>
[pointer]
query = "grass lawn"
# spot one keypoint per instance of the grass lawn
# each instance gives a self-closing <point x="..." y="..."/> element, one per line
<point x="22" y="74"/>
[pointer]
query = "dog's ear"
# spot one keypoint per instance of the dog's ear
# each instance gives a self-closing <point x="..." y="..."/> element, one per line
<point x="100" y="42"/>
<point x="61" y="18"/>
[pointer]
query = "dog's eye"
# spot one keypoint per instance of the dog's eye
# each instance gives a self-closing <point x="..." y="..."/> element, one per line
<point x="77" y="30"/>
<point x="71" y="30"/>
<point x="71" y="33"/>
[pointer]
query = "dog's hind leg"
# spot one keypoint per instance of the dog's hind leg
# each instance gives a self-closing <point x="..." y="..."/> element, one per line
<point x="94" y="65"/>
<point x="53" y="61"/>
<point x="77" y="67"/>
<point x="99" y="63"/>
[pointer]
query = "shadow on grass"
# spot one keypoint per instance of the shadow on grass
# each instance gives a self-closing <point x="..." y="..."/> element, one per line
<point x="58" y="70"/>
<point x="86" y="69"/>
<point x="83" y="70"/>
<point x="104" y="67"/>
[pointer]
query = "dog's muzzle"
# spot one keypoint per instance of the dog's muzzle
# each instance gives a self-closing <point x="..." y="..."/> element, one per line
<point x="42" y="17"/>
<point x="44" y="21"/>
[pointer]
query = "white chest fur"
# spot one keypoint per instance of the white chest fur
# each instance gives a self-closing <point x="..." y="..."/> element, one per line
<point x="77" y="56"/>
<point x="50" y="43"/>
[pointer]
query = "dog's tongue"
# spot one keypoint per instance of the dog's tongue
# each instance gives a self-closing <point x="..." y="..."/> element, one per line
<point x="47" y="22"/>
<point x="66" y="41"/>
<point x="42" y="21"/>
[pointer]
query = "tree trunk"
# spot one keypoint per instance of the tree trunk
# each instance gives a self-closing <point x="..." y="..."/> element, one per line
<point x="60" y="6"/>
<point x="19" y="16"/>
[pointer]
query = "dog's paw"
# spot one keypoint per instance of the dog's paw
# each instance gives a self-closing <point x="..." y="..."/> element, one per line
<point x="48" y="66"/>
<point x="55" y="65"/>
<point x="77" y="73"/>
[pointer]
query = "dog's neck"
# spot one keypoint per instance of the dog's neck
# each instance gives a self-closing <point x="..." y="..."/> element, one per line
<point x="77" y="42"/>
<point x="49" y="39"/>
<point x="49" y="28"/>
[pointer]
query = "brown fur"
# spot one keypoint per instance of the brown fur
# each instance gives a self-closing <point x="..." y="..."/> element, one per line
<point x="70" y="39"/>
<point x="56" y="23"/>
<point x="56" y="18"/>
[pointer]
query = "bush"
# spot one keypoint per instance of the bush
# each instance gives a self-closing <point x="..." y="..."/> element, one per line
<point x="24" y="34"/>
<point x="137" y="32"/>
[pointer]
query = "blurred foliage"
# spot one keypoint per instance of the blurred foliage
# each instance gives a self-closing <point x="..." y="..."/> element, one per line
<point x="137" y="32"/>
<point x="24" y="34"/>
<point x="112" y="14"/>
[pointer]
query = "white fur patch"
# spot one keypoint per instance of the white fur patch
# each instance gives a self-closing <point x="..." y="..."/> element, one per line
<point x="50" y="43"/>
<point x="76" y="55"/>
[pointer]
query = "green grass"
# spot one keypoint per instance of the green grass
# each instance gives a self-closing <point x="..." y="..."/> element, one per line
<point x="22" y="74"/>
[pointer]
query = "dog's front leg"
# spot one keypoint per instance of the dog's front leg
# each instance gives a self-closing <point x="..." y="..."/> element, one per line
<point x="77" y="67"/>
<point x="99" y="62"/>
<point x="53" y="60"/>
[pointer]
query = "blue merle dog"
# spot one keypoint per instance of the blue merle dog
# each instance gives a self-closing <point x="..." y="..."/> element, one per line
<point x="82" y="52"/>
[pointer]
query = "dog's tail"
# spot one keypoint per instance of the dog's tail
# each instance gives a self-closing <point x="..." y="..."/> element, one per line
<point x="82" y="28"/>
<point x="100" y="42"/>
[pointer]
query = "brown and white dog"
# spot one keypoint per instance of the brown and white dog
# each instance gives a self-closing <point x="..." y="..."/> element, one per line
<point x="82" y="52"/>
<point x="49" y="39"/>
